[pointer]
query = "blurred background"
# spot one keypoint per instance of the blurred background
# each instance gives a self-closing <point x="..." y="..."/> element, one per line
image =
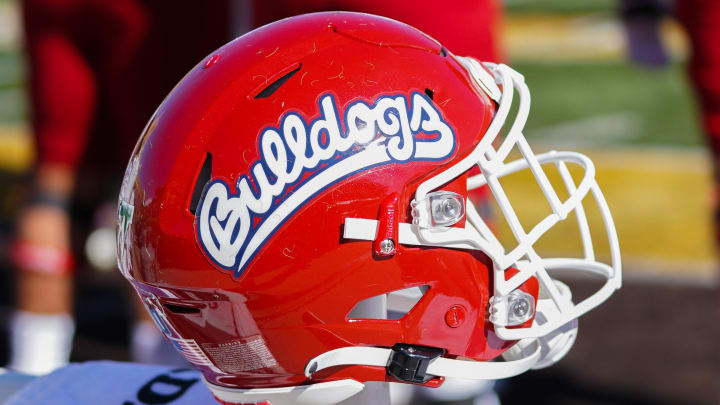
<point x="632" y="112"/>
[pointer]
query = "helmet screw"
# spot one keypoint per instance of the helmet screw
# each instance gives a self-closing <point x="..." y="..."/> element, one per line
<point x="520" y="308"/>
<point x="455" y="316"/>
<point x="387" y="246"/>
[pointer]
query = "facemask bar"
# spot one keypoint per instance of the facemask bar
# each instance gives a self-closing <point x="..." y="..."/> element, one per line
<point x="492" y="164"/>
<point x="529" y="263"/>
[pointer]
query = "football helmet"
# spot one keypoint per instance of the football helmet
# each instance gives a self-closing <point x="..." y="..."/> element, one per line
<point x="315" y="172"/>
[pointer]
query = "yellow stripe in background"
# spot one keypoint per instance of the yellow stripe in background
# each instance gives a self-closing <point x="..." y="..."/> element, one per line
<point x="16" y="148"/>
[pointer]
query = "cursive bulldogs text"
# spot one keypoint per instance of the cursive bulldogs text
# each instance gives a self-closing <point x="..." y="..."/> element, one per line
<point x="370" y="135"/>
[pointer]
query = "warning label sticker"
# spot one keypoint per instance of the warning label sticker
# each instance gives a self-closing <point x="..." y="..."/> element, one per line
<point x="240" y="355"/>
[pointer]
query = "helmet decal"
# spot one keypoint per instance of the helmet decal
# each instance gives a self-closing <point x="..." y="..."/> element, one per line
<point x="311" y="155"/>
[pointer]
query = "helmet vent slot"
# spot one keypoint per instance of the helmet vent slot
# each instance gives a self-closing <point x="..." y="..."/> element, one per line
<point x="393" y="305"/>
<point x="202" y="179"/>
<point x="181" y="309"/>
<point x="429" y="93"/>
<point x="274" y="86"/>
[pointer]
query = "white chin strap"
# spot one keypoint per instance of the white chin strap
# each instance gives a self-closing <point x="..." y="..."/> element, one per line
<point x="555" y="325"/>
<point x="439" y="367"/>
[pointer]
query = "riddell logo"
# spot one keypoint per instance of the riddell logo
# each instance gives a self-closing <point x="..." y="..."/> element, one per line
<point x="372" y="135"/>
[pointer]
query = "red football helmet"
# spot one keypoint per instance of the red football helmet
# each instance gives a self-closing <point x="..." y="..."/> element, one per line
<point x="315" y="171"/>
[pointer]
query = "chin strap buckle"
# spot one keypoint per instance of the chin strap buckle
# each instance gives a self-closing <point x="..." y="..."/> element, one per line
<point x="409" y="363"/>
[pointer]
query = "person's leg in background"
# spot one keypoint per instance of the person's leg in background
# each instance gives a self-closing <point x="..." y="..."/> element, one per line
<point x="642" y="20"/>
<point x="77" y="51"/>
<point x="63" y="96"/>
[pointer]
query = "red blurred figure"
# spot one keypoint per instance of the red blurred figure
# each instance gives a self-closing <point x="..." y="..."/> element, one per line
<point x="701" y="20"/>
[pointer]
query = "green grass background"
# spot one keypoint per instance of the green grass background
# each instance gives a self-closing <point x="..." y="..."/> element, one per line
<point x="661" y="99"/>
<point x="12" y="95"/>
<point x="559" y="6"/>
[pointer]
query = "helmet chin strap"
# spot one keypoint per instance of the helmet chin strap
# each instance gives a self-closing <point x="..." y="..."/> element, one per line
<point x="438" y="367"/>
<point x="529" y="356"/>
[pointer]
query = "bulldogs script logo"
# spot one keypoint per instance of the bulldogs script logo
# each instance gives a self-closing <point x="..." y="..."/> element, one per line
<point x="381" y="133"/>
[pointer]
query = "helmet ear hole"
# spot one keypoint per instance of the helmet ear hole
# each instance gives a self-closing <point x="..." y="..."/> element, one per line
<point x="397" y="303"/>
<point x="202" y="179"/>
<point x="181" y="309"/>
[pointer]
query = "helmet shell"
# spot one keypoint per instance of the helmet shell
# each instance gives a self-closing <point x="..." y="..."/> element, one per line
<point x="259" y="323"/>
